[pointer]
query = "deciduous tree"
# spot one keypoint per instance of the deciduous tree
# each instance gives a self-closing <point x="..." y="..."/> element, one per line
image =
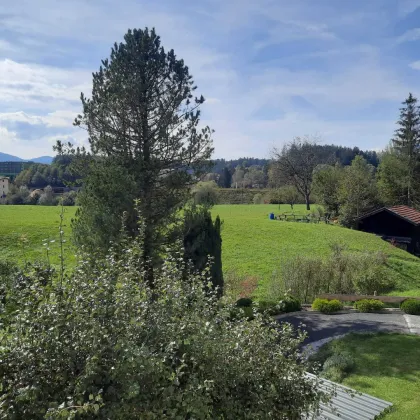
<point x="358" y="192"/>
<point x="294" y="164"/>
<point x="326" y="185"/>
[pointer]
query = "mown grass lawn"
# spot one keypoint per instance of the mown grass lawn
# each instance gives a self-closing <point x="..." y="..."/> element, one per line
<point x="387" y="367"/>
<point x="253" y="245"/>
<point x="24" y="229"/>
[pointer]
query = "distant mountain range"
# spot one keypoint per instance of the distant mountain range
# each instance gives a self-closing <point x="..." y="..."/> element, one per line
<point x="4" y="157"/>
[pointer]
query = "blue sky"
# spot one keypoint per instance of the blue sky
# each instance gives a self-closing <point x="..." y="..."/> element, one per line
<point x="269" y="69"/>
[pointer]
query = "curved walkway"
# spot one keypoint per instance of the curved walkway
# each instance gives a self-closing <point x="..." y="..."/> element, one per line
<point x="321" y="326"/>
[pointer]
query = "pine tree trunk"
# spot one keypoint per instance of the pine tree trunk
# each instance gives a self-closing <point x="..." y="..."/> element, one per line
<point x="146" y="205"/>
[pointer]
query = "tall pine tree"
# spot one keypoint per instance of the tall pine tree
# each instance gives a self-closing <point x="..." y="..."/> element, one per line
<point x="143" y="125"/>
<point x="406" y="144"/>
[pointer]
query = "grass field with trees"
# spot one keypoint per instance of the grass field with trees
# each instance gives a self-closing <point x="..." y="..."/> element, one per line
<point x="253" y="247"/>
<point x="167" y="312"/>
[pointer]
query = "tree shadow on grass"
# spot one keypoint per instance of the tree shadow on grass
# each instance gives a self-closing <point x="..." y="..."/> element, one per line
<point x="385" y="355"/>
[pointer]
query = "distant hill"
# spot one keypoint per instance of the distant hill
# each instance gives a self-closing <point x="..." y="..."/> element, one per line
<point x="43" y="159"/>
<point x="4" y="157"/>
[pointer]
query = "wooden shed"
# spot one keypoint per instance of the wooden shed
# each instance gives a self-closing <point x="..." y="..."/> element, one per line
<point x="397" y="224"/>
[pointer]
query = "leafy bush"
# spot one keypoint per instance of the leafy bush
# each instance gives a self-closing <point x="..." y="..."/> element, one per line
<point x="342" y="361"/>
<point x="306" y="277"/>
<point x="258" y="199"/>
<point x="327" y="306"/>
<point x="334" y="360"/>
<point x="338" y="366"/>
<point x="369" y="305"/>
<point x="267" y="306"/>
<point x="371" y="275"/>
<point x="47" y="197"/>
<point x="333" y="374"/>
<point x="244" y="302"/>
<point x="203" y="242"/>
<point x="206" y="193"/>
<point x="411" y="306"/>
<point x="302" y="276"/>
<point x="68" y="199"/>
<point x="289" y="304"/>
<point x="103" y="343"/>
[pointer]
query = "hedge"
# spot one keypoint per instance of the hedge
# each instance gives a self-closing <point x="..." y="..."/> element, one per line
<point x="327" y="306"/>
<point x="411" y="306"/>
<point x="369" y="305"/>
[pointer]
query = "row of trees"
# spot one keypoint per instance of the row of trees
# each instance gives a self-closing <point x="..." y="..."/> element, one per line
<point x="349" y="191"/>
<point x="256" y="173"/>
<point x="39" y="175"/>
<point x="44" y="197"/>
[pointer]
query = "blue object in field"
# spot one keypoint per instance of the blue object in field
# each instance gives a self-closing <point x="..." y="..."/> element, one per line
<point x="271" y="216"/>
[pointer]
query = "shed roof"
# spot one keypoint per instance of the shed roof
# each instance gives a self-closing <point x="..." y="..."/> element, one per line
<point x="348" y="404"/>
<point x="407" y="213"/>
<point x="404" y="212"/>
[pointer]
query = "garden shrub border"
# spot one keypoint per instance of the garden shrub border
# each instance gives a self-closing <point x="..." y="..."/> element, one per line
<point x="327" y="306"/>
<point x="369" y="305"/>
<point x="411" y="306"/>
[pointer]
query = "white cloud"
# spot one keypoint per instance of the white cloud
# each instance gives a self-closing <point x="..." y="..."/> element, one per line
<point x="410" y="35"/>
<point x="415" y="65"/>
<point x="406" y="7"/>
<point x="53" y="119"/>
<point x="217" y="40"/>
<point x="34" y="83"/>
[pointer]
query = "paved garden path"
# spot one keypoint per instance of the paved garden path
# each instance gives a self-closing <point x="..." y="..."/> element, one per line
<point x="320" y="326"/>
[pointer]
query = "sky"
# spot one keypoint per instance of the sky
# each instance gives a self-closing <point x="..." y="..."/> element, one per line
<point x="270" y="70"/>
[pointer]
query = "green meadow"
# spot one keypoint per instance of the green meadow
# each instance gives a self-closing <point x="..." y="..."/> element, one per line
<point x="253" y="245"/>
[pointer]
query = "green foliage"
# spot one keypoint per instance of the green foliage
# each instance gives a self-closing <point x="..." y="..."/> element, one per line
<point x="393" y="178"/>
<point x="289" y="304"/>
<point x="342" y="361"/>
<point x="146" y="143"/>
<point x="406" y="144"/>
<point x="253" y="246"/>
<point x="101" y="343"/>
<point x="327" y="306"/>
<point x="205" y="193"/>
<point x="371" y="274"/>
<point x="47" y="197"/>
<point x="334" y="374"/>
<point x="225" y="178"/>
<point x="289" y="195"/>
<point x="342" y="272"/>
<point x="68" y="199"/>
<point x="326" y="186"/>
<point x="333" y="361"/>
<point x="244" y="302"/>
<point x="358" y="192"/>
<point x="38" y="175"/>
<point x="202" y="240"/>
<point x="267" y="306"/>
<point x="258" y="199"/>
<point x="411" y="306"/>
<point x="369" y="305"/>
<point x="387" y="366"/>
<point x="295" y="164"/>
